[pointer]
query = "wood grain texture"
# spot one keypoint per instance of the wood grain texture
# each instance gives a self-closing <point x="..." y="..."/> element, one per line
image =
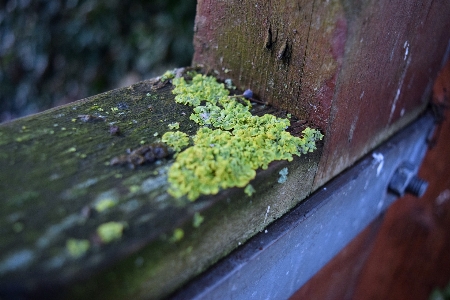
<point x="56" y="169"/>
<point x="357" y="70"/>
<point x="403" y="255"/>
<point x="410" y="257"/>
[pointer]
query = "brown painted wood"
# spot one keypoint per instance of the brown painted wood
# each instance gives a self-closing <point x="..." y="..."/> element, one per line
<point x="394" y="50"/>
<point x="411" y="253"/>
<point x="408" y="257"/>
<point x="357" y="70"/>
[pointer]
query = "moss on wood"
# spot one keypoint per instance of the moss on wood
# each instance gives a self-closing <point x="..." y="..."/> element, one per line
<point x="58" y="189"/>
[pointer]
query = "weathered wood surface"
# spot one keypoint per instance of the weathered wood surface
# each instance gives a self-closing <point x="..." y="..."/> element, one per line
<point x="360" y="70"/>
<point x="406" y="251"/>
<point x="55" y="172"/>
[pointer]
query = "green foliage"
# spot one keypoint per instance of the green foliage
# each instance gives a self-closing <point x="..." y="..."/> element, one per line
<point x="228" y="154"/>
<point x="54" y="52"/>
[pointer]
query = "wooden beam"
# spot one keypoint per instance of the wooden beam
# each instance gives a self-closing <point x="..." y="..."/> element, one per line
<point x="58" y="188"/>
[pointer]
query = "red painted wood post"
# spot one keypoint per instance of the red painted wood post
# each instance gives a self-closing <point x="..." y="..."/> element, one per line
<point x="357" y="70"/>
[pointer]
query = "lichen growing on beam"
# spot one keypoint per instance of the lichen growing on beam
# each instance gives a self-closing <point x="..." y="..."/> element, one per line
<point x="232" y="144"/>
<point x="177" y="140"/>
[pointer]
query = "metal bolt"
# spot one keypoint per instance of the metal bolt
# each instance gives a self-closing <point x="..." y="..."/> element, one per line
<point x="405" y="180"/>
<point x="417" y="186"/>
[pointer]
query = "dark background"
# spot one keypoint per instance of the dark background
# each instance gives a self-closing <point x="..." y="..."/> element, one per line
<point x="55" y="52"/>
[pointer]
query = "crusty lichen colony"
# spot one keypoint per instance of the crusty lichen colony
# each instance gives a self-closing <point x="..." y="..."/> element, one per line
<point x="231" y="144"/>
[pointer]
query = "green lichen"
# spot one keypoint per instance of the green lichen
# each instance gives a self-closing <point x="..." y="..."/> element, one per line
<point x="110" y="231"/>
<point x="177" y="235"/>
<point x="201" y="88"/>
<point x="105" y="204"/>
<point x="174" y="125"/>
<point x="134" y="189"/>
<point x="249" y="190"/>
<point x="77" y="248"/>
<point x="177" y="140"/>
<point x="198" y="220"/>
<point x="168" y="75"/>
<point x="232" y="144"/>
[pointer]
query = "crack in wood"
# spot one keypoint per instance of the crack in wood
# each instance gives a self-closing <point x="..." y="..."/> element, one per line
<point x="268" y="42"/>
<point x="284" y="53"/>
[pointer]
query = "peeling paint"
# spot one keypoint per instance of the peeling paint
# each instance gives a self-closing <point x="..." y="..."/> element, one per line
<point x="352" y="128"/>
<point x="378" y="159"/>
<point x="267" y="213"/>
<point x="443" y="197"/>
<point x="406" y="47"/>
<point x="400" y="83"/>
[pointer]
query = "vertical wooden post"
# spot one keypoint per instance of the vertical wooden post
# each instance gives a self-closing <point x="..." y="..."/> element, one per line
<point x="357" y="70"/>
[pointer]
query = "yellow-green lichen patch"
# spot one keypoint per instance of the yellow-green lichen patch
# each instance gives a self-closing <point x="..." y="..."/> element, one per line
<point x="168" y="75"/>
<point x="77" y="248"/>
<point x="105" y="204"/>
<point x="134" y="189"/>
<point x="201" y="88"/>
<point x="106" y="200"/>
<point x="229" y="155"/>
<point x="110" y="231"/>
<point x="177" y="140"/>
<point x="177" y="235"/>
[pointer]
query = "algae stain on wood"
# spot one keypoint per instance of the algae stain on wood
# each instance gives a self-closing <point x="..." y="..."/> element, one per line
<point x="60" y="188"/>
<point x="281" y="50"/>
<point x="55" y="174"/>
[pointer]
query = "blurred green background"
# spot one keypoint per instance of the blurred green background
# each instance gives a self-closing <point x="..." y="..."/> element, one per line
<point x="54" y="52"/>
